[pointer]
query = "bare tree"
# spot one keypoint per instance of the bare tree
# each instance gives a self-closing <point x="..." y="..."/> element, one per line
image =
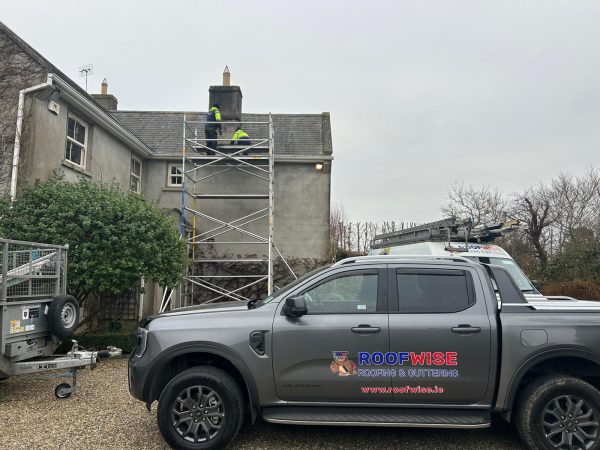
<point x="573" y="199"/>
<point x="534" y="209"/>
<point x="483" y="205"/>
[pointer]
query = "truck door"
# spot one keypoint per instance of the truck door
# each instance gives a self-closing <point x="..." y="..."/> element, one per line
<point x="440" y="334"/>
<point x="315" y="357"/>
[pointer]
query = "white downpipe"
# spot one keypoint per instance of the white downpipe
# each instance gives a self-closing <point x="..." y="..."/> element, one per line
<point x="17" y="149"/>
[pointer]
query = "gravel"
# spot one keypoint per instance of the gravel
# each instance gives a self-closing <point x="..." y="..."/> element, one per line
<point x="103" y="415"/>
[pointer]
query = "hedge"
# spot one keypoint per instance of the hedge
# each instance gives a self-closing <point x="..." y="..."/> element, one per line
<point x="579" y="289"/>
<point x="99" y="341"/>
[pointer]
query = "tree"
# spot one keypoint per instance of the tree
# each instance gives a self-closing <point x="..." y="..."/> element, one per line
<point x="483" y="205"/>
<point x="114" y="238"/>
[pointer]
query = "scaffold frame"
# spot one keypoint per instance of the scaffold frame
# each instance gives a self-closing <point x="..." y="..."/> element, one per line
<point x="254" y="158"/>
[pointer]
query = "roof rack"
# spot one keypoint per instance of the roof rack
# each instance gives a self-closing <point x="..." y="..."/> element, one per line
<point x="388" y="258"/>
<point x="445" y="230"/>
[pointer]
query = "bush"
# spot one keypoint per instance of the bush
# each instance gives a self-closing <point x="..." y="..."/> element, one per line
<point x="99" y="341"/>
<point x="580" y="289"/>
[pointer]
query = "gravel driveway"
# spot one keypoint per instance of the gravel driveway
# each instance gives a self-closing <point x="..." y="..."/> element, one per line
<point x="104" y="416"/>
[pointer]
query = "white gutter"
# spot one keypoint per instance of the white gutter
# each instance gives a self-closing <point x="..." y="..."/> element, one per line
<point x="17" y="148"/>
<point x="100" y="116"/>
<point x="278" y="158"/>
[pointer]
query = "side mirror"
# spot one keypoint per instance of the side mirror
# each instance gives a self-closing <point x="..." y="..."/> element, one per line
<point x="536" y="284"/>
<point x="295" y="306"/>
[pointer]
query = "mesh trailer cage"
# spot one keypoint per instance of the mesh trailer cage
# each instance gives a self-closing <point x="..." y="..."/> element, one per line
<point x="31" y="271"/>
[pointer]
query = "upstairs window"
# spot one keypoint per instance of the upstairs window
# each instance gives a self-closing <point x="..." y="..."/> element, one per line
<point x="175" y="175"/>
<point x="76" y="141"/>
<point x="136" y="175"/>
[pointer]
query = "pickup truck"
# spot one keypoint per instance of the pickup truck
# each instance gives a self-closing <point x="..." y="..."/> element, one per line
<point x="395" y="341"/>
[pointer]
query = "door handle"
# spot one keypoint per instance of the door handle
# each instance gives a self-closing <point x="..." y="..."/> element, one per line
<point x="466" y="329"/>
<point x="365" y="329"/>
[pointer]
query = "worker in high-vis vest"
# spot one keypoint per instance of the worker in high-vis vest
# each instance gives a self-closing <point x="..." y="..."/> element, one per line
<point x="213" y="119"/>
<point x="240" y="137"/>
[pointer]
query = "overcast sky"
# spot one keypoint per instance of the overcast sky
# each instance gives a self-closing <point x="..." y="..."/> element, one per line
<point x="422" y="94"/>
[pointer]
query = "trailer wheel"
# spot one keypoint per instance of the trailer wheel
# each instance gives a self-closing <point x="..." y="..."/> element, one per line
<point x="63" y="316"/>
<point x="63" y="390"/>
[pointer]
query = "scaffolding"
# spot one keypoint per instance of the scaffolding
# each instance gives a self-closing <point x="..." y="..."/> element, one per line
<point x="208" y="236"/>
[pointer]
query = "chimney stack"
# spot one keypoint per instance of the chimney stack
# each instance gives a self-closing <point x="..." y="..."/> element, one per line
<point x="108" y="101"/>
<point x="228" y="97"/>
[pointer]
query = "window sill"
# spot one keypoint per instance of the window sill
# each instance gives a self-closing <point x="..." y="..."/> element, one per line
<point x="172" y="188"/>
<point x="75" y="167"/>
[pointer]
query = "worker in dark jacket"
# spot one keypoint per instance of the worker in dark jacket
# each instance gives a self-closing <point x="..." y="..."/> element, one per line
<point x="213" y="119"/>
<point x="240" y="137"/>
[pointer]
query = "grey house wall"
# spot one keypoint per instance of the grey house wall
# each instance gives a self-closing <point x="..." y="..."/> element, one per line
<point x="43" y="151"/>
<point x="301" y="212"/>
<point x="19" y="71"/>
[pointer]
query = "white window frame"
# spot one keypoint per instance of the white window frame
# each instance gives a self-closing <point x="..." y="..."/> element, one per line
<point x="135" y="176"/>
<point x="76" y="142"/>
<point x="171" y="175"/>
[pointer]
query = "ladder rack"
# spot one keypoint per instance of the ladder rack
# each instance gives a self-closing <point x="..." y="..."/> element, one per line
<point x="445" y="230"/>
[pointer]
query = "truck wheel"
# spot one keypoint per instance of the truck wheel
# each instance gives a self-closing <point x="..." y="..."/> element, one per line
<point x="201" y="408"/>
<point x="63" y="316"/>
<point x="559" y="412"/>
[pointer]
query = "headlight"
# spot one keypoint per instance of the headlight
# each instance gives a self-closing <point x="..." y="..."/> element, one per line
<point x="142" y="339"/>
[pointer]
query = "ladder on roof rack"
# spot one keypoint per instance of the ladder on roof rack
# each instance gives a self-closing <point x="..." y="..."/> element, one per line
<point x="216" y="225"/>
<point x="450" y="229"/>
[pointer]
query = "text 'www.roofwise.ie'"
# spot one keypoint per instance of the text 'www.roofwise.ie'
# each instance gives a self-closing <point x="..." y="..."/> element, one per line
<point x="402" y="390"/>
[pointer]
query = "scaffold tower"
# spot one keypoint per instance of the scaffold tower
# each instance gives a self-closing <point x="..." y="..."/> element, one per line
<point x="207" y="202"/>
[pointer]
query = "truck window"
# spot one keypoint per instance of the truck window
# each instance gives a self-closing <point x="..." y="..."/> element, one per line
<point x="353" y="293"/>
<point x="434" y="291"/>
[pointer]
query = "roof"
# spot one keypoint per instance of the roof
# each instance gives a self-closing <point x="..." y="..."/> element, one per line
<point x="295" y="134"/>
<point x="74" y="92"/>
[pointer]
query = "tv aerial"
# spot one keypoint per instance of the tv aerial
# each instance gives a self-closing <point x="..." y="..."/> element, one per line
<point x="84" y="71"/>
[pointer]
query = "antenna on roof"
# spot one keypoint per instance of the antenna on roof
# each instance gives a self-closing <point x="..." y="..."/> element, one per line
<point x="84" y="71"/>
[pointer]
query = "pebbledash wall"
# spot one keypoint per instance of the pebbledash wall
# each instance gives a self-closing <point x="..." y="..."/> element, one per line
<point x="154" y="140"/>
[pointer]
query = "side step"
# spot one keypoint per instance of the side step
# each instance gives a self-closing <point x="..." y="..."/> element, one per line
<point x="382" y="417"/>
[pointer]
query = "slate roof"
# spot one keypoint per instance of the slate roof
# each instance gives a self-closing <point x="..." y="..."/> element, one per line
<point x="295" y="134"/>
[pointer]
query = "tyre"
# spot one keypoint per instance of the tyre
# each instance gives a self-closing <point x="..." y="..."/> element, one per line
<point x="63" y="316"/>
<point x="559" y="412"/>
<point x="201" y="408"/>
<point x="63" y="390"/>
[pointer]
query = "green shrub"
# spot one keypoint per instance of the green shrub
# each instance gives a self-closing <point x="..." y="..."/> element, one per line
<point x="99" y="341"/>
<point x="579" y="289"/>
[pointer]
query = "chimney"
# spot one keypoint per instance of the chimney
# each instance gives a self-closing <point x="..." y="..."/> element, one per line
<point x="108" y="101"/>
<point x="228" y="97"/>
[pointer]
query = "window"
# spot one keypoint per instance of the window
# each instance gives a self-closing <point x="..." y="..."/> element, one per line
<point x="352" y="293"/>
<point x="76" y="141"/>
<point x="434" y="291"/>
<point x="136" y="175"/>
<point x="175" y="176"/>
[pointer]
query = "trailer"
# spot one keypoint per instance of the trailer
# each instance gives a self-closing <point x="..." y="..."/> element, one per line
<point x="36" y="313"/>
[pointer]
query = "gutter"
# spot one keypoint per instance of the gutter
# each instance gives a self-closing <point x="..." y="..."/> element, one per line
<point x="100" y="116"/>
<point x="97" y="115"/>
<point x="17" y="148"/>
<point x="278" y="158"/>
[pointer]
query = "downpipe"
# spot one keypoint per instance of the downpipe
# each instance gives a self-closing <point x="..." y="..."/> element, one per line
<point x="17" y="148"/>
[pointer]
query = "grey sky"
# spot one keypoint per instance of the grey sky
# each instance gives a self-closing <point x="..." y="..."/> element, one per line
<point x="421" y="93"/>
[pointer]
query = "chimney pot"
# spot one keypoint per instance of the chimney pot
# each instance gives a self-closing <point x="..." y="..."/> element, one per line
<point x="226" y="77"/>
<point x="104" y="87"/>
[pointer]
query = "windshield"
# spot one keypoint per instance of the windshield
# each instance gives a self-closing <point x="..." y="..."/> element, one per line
<point x="294" y="283"/>
<point x="515" y="271"/>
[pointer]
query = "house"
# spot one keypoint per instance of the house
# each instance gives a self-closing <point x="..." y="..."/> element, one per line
<point x="48" y="122"/>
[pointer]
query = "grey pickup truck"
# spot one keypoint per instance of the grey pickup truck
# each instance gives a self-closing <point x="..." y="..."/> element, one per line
<point x="391" y="341"/>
